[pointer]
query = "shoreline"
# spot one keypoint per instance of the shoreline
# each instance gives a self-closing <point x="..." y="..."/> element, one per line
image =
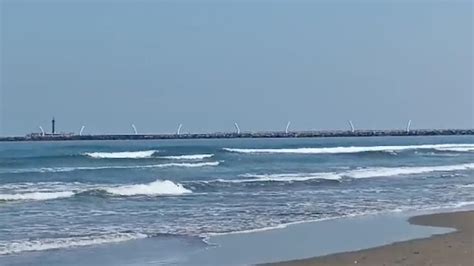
<point x="454" y="248"/>
<point x="269" y="247"/>
<point x="303" y="239"/>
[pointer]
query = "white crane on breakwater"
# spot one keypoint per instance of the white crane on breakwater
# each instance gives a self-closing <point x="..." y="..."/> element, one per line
<point x="82" y="129"/>
<point x="237" y="128"/>
<point x="352" y="126"/>
<point x="135" y="129"/>
<point x="179" y="129"/>
<point x="408" y="126"/>
<point x="42" y="130"/>
<point x="287" y="127"/>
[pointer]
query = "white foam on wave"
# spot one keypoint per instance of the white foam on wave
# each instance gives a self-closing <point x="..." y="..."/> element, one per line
<point x="186" y="165"/>
<point x="438" y="154"/>
<point x="91" y="168"/>
<point x="466" y="186"/>
<point x="462" y="204"/>
<point x="122" y="155"/>
<point x="18" y="246"/>
<point x="284" y="177"/>
<point x="52" y="191"/>
<point x="370" y="172"/>
<point x="36" y="196"/>
<point x="456" y="149"/>
<point x="38" y="186"/>
<point x="157" y="187"/>
<point x="352" y="149"/>
<point x="189" y="157"/>
<point x="395" y="171"/>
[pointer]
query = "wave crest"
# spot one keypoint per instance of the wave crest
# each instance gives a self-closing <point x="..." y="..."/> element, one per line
<point x="285" y="177"/>
<point x="36" y="196"/>
<point x="395" y="171"/>
<point x="189" y="157"/>
<point x="355" y="149"/>
<point x="466" y="186"/>
<point x="92" y="168"/>
<point x="187" y="165"/>
<point x="121" y="155"/>
<point x="370" y="172"/>
<point x="157" y="187"/>
<point x="456" y="149"/>
<point x="53" y="191"/>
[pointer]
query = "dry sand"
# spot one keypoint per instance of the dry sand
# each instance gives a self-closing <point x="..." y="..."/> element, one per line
<point x="456" y="248"/>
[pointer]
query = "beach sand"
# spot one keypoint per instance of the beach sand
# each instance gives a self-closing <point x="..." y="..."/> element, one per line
<point x="456" y="248"/>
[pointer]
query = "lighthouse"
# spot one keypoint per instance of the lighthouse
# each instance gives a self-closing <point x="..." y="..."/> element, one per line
<point x="53" y="124"/>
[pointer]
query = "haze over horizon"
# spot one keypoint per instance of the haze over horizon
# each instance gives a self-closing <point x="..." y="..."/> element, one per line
<point x="207" y="65"/>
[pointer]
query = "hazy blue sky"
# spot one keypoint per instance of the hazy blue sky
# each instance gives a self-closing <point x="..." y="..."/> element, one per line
<point x="107" y="64"/>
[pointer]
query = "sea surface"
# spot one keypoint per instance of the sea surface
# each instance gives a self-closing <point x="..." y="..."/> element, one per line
<point x="65" y="195"/>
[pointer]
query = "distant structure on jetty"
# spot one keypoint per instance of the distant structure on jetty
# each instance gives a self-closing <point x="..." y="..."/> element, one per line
<point x="49" y="136"/>
<point x="351" y="132"/>
<point x="228" y="135"/>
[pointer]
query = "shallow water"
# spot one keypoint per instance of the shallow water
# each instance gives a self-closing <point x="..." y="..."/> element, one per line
<point x="296" y="241"/>
<point x="60" y="195"/>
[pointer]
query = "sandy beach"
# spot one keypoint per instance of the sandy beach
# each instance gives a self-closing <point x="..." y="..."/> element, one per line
<point x="455" y="248"/>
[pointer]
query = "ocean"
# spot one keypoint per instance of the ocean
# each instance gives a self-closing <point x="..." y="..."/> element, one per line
<point x="66" y="195"/>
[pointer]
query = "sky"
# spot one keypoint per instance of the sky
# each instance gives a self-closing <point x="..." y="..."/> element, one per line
<point x="108" y="64"/>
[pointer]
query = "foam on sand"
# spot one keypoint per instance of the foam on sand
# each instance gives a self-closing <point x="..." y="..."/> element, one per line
<point x="353" y="149"/>
<point x="18" y="246"/>
<point x="122" y="155"/>
<point x="157" y="187"/>
<point x="189" y="157"/>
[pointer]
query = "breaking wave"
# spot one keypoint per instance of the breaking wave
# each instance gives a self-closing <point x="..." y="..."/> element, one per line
<point x="356" y="149"/>
<point x="18" y="246"/>
<point x="143" y="155"/>
<point x="36" y="196"/>
<point x="122" y="155"/>
<point x="456" y="149"/>
<point x="155" y="188"/>
<point x="91" y="168"/>
<point x="466" y="186"/>
<point x="284" y="177"/>
<point x="189" y="157"/>
<point x="188" y="165"/>
<point x="57" y="190"/>
<point x="395" y="171"/>
<point x="356" y="173"/>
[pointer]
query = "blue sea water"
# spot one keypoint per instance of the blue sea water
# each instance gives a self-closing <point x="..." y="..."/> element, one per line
<point x="65" y="195"/>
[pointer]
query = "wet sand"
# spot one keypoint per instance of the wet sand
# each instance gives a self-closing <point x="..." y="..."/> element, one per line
<point x="456" y="248"/>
